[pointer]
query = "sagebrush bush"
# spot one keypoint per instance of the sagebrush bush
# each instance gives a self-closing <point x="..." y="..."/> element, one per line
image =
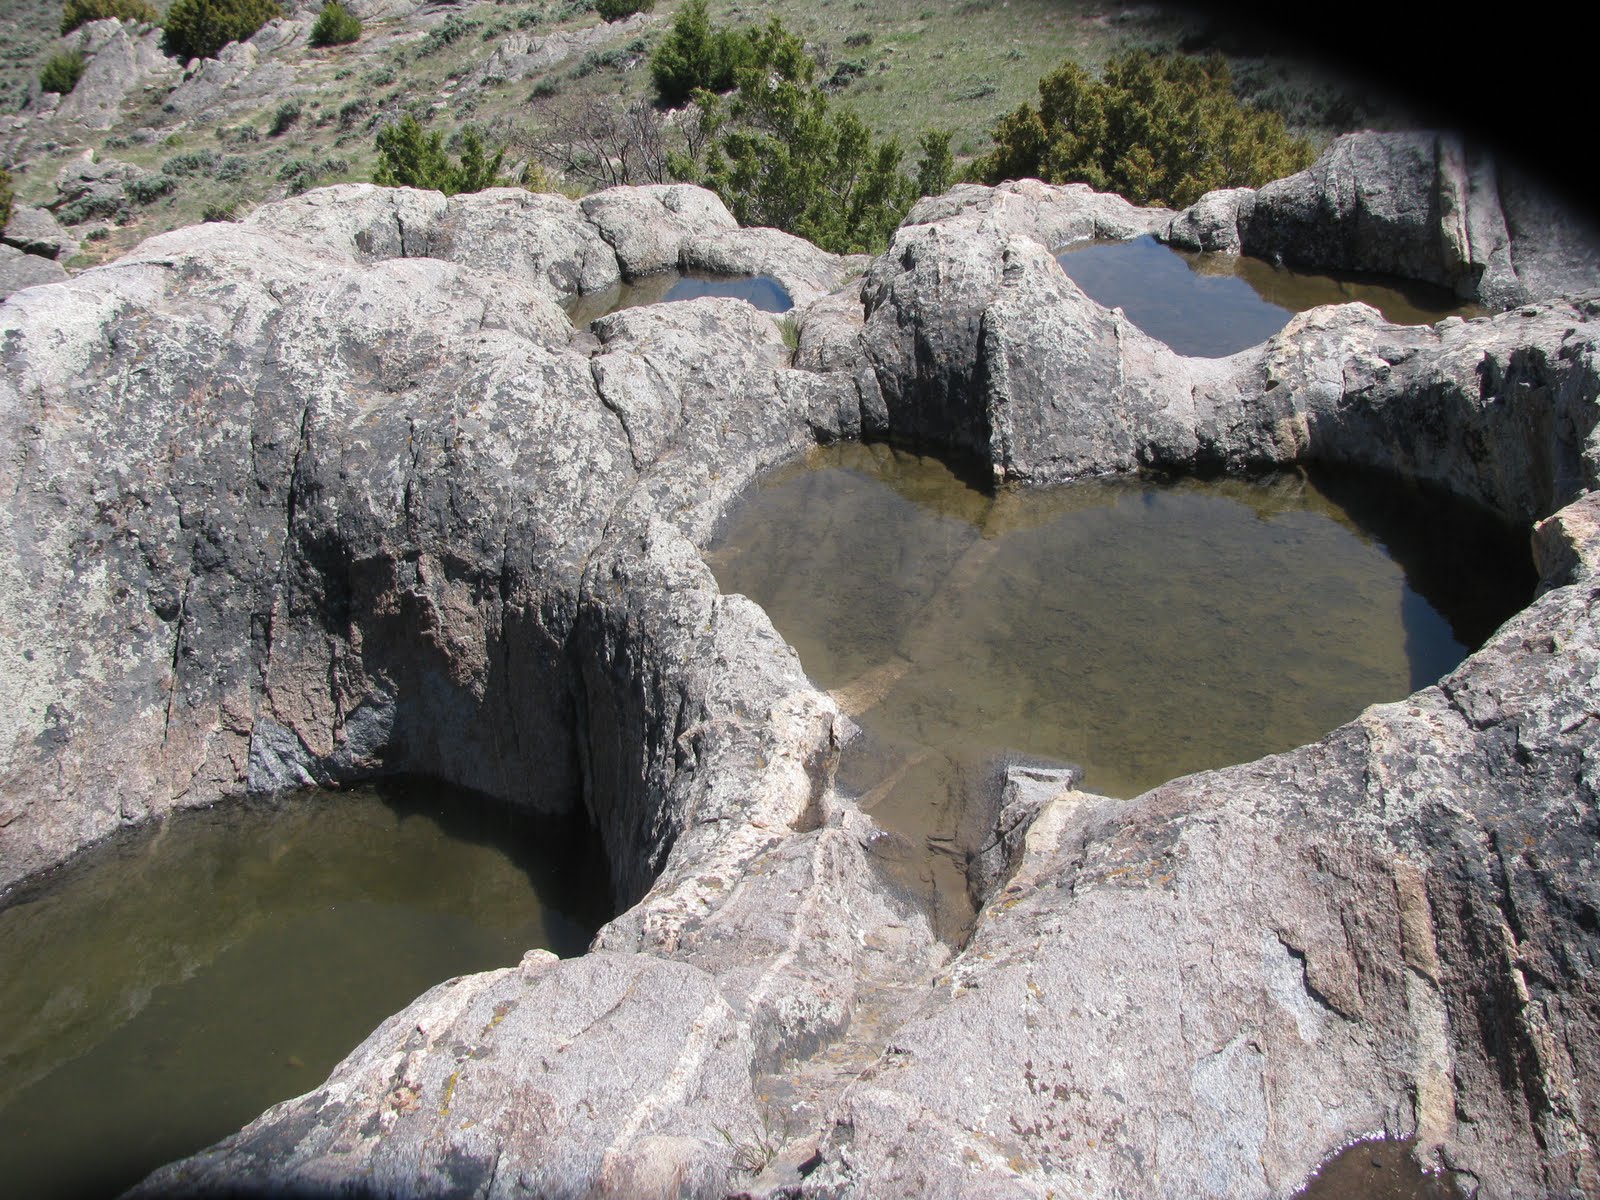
<point x="288" y="113"/>
<point x="62" y="72"/>
<point x="352" y="111"/>
<point x="302" y="174"/>
<point x="149" y="188"/>
<point x="336" y="25"/>
<point x="451" y="29"/>
<point x="81" y="12"/>
<point x="192" y="162"/>
<point x="200" y="28"/>
<point x="619" y="10"/>
<point x="7" y="195"/>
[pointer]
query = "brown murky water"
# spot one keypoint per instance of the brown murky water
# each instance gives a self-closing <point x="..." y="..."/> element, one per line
<point x="1140" y="630"/>
<point x="164" y="988"/>
<point x="1212" y="305"/>
<point x="763" y="291"/>
<point x="1378" y="1170"/>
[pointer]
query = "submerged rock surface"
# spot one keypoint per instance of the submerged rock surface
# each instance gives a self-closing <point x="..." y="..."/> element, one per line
<point x="339" y="491"/>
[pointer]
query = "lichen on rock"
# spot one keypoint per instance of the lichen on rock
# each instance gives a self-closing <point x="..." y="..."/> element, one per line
<point x="338" y="491"/>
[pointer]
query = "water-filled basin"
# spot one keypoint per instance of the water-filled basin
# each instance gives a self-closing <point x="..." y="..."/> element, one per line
<point x="183" y="978"/>
<point x="1141" y="630"/>
<point x="1213" y="305"/>
<point x="763" y="291"/>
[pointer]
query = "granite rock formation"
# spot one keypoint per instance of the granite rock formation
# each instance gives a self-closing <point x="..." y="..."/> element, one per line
<point x="1425" y="206"/>
<point x="338" y="490"/>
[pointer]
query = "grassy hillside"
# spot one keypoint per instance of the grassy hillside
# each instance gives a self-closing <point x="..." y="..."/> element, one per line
<point x="905" y="65"/>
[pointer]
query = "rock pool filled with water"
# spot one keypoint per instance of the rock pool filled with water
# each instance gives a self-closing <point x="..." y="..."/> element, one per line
<point x="1212" y="305"/>
<point x="1141" y="630"/>
<point x="763" y="291"/>
<point x="165" y="987"/>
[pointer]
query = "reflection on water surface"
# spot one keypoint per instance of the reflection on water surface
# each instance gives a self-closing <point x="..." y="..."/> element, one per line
<point x="1212" y="305"/>
<point x="1141" y="630"/>
<point x="164" y="988"/>
<point x="763" y="291"/>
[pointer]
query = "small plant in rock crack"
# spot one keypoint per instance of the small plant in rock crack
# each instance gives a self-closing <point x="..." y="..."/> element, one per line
<point x="754" y="1154"/>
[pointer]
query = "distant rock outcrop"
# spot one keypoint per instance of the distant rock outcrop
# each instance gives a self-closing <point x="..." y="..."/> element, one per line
<point x="338" y="490"/>
<point x="19" y="270"/>
<point x="122" y="59"/>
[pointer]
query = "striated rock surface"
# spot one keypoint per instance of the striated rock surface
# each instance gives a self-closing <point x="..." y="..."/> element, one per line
<point x="338" y="491"/>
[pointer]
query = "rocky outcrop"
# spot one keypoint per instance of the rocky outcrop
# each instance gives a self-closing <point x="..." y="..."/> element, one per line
<point x="231" y="582"/>
<point x="35" y="231"/>
<point x="1425" y="206"/>
<point x="338" y="491"/>
<point x="520" y="55"/>
<point x="242" y="77"/>
<point x="88" y="188"/>
<point x="1211" y="985"/>
<point x="979" y="344"/>
<point x="31" y="250"/>
<point x="122" y="60"/>
<point x="19" y="270"/>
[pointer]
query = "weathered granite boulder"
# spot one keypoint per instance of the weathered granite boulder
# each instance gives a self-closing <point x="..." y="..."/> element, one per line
<point x="35" y="231"/>
<point x="122" y="59"/>
<point x="333" y="492"/>
<point x="1425" y="206"/>
<point x="19" y="270"/>
<point x="517" y="56"/>
<point x="1213" y="221"/>
<point x="647" y="226"/>
<point x="1566" y="545"/>
<point x="320" y="301"/>
<point x="244" y="75"/>
<point x="979" y="344"/>
<point x="1052" y="214"/>
<point x="87" y="188"/>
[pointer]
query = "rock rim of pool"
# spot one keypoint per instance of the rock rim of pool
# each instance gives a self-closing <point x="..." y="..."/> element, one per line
<point x="337" y="491"/>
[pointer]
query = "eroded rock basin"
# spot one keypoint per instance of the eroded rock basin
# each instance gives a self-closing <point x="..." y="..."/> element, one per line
<point x="763" y="291"/>
<point x="1212" y="305"/>
<point x="1137" y="629"/>
<point x="184" y="978"/>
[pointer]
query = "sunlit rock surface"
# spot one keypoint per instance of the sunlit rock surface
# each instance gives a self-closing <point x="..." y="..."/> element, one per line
<point x="338" y="491"/>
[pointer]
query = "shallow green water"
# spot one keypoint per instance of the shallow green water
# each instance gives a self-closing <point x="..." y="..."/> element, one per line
<point x="763" y="291"/>
<point x="164" y="988"/>
<point x="1142" y="631"/>
<point x="1212" y="305"/>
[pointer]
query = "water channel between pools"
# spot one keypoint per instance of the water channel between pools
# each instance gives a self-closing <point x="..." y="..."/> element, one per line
<point x="181" y="979"/>
<point x="1140" y="630"/>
